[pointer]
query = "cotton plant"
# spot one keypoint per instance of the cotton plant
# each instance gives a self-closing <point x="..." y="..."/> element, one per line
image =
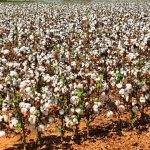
<point x="70" y="69"/>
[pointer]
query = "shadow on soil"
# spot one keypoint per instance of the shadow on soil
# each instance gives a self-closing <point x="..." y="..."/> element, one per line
<point x="53" y="142"/>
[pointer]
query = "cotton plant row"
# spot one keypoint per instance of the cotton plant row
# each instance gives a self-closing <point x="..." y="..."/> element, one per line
<point x="63" y="63"/>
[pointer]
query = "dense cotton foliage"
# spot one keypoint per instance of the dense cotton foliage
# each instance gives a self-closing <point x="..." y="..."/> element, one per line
<point x="72" y="61"/>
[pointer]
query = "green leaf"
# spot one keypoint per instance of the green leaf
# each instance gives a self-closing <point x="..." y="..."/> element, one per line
<point x="99" y="85"/>
<point x="19" y="127"/>
<point x="101" y="76"/>
<point x="143" y="81"/>
<point x="56" y="67"/>
<point x="133" y="121"/>
<point x="119" y="76"/>
<point x="79" y="117"/>
<point x="37" y="113"/>
<point x="80" y="94"/>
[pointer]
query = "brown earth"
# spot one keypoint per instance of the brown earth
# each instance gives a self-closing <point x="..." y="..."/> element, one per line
<point x="105" y="134"/>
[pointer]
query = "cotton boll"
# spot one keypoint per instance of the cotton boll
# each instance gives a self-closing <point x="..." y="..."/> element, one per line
<point x="2" y="133"/>
<point x="129" y="88"/>
<point x="72" y="110"/>
<point x="5" y="117"/>
<point x="79" y="111"/>
<point x="117" y="102"/>
<point x="1" y="87"/>
<point x="135" y="108"/>
<point x="27" y="105"/>
<point x="24" y="110"/>
<point x="122" y="91"/>
<point x="14" y="122"/>
<point x="6" y="51"/>
<point x="73" y="63"/>
<point x="1" y="118"/>
<point x="95" y="108"/>
<point x="31" y="37"/>
<point x="13" y="73"/>
<point x="61" y="112"/>
<point x="119" y="85"/>
<point x="127" y="98"/>
<point x="110" y="113"/>
<point x="28" y="89"/>
<point x="74" y="100"/>
<point x="75" y="121"/>
<point x="32" y="119"/>
<point x="4" y="109"/>
<point x="41" y="127"/>
<point x="98" y="104"/>
<point x="51" y="119"/>
<point x="121" y="108"/>
<point x="142" y="99"/>
<point x="33" y="110"/>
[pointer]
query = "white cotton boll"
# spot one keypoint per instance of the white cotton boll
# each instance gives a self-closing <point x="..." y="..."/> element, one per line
<point x="64" y="89"/>
<point x="80" y="86"/>
<point x="86" y="104"/>
<point x="41" y="127"/>
<point x="110" y="113"/>
<point x="135" y="108"/>
<point x="14" y="122"/>
<point x="74" y="100"/>
<point x="69" y="123"/>
<point x="47" y="78"/>
<point x="1" y="87"/>
<point x="119" y="85"/>
<point x="103" y="94"/>
<point x="122" y="91"/>
<point x="73" y="63"/>
<point x="31" y="37"/>
<point x="56" y="89"/>
<point x="68" y="68"/>
<point x="147" y="96"/>
<point x="22" y="84"/>
<point x="79" y="111"/>
<point x="142" y="99"/>
<point x="75" y="121"/>
<point x="127" y="98"/>
<point x="47" y="105"/>
<point x="121" y="108"/>
<point x="144" y="88"/>
<point x="7" y="97"/>
<point x="1" y="118"/>
<point x="51" y="119"/>
<point x="13" y="73"/>
<point x="66" y="118"/>
<point x="6" y="51"/>
<point x="24" y="110"/>
<point x="61" y="112"/>
<point x="113" y="83"/>
<point x="95" y="108"/>
<point x="33" y="110"/>
<point x="22" y="104"/>
<point x="28" y="89"/>
<point x="98" y="104"/>
<point x="72" y="110"/>
<point x="32" y="119"/>
<point x="117" y="102"/>
<point x="27" y="105"/>
<point x="4" y="109"/>
<point x="2" y="133"/>
<point x="5" y="117"/>
<point x="129" y="87"/>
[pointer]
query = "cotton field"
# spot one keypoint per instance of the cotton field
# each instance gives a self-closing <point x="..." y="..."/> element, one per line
<point x="63" y="64"/>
